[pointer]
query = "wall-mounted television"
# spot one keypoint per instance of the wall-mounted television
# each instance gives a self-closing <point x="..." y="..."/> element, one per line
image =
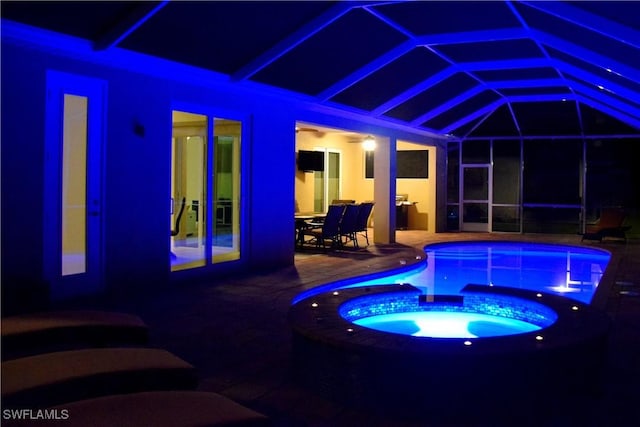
<point x="310" y="161"/>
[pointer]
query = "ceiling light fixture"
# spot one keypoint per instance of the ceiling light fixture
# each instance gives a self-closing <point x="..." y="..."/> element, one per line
<point x="369" y="143"/>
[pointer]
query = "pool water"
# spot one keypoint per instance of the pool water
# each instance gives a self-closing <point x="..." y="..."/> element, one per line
<point x="570" y="271"/>
<point x="437" y="324"/>
<point x="473" y="324"/>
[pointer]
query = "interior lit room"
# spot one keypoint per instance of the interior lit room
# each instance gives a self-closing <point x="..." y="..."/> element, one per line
<point x="320" y="213"/>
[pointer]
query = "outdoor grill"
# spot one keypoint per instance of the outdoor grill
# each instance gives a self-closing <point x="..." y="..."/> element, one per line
<point x="402" y="211"/>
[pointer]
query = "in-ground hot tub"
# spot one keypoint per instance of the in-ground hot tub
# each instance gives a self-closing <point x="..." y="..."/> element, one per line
<point x="479" y="314"/>
<point x="559" y="351"/>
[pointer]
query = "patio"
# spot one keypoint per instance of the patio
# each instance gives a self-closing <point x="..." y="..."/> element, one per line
<point x="236" y="334"/>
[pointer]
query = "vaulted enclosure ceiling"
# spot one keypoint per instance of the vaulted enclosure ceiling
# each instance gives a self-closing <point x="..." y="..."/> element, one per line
<point x="468" y="69"/>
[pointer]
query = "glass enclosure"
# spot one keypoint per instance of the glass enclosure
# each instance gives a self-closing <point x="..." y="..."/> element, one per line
<point x="539" y="184"/>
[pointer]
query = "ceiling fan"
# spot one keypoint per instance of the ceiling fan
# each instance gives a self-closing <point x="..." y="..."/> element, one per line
<point x="301" y="129"/>
<point x="316" y="132"/>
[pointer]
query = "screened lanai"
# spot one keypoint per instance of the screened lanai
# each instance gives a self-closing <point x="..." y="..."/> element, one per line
<point x="539" y="100"/>
<point x="458" y="68"/>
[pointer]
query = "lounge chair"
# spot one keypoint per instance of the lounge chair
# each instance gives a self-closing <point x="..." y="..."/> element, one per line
<point x="342" y="201"/>
<point x="362" y="225"/>
<point x="182" y="408"/>
<point x="66" y="376"/>
<point x="349" y="224"/>
<point x="609" y="224"/>
<point x="328" y="230"/>
<point x="43" y="332"/>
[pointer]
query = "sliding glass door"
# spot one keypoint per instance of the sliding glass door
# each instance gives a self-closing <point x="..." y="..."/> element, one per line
<point x="327" y="182"/>
<point x="188" y="190"/>
<point x="205" y="190"/>
<point x="226" y="190"/>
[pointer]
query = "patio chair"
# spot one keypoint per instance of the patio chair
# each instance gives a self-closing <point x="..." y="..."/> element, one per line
<point x="609" y="224"/>
<point x="362" y="225"/>
<point x="349" y="224"/>
<point x="329" y="229"/>
<point x="176" y="230"/>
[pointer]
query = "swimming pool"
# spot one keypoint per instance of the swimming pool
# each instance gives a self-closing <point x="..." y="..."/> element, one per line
<point x="541" y="341"/>
<point x="569" y="271"/>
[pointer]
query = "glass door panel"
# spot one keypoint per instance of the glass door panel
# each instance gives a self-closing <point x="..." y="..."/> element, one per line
<point x="226" y="190"/>
<point x="318" y="191"/>
<point x="72" y="231"/>
<point x="188" y="190"/>
<point x="74" y="185"/>
<point x="333" y="178"/>
<point x="475" y="198"/>
<point x="326" y="184"/>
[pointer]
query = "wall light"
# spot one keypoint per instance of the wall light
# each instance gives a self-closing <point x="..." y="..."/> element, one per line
<point x="369" y="143"/>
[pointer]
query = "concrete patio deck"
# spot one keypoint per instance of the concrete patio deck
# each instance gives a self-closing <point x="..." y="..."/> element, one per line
<point x="235" y="333"/>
